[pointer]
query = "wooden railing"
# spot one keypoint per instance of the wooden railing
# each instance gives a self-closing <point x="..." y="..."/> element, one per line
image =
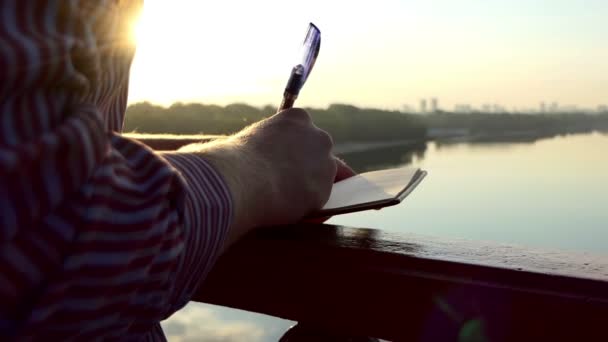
<point x="363" y="282"/>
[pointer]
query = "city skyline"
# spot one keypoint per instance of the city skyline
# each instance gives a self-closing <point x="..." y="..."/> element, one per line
<point x="542" y="107"/>
<point x="381" y="54"/>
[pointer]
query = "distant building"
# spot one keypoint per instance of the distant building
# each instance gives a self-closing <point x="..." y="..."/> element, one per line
<point x="602" y="109"/>
<point x="498" y="109"/>
<point x="486" y="108"/>
<point x="543" y="107"/>
<point x="423" y="106"/>
<point x="570" y="109"/>
<point x="554" y="107"/>
<point x="434" y="105"/>
<point x="407" y="109"/>
<point x="463" y="108"/>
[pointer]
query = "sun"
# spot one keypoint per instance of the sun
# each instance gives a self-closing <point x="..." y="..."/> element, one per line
<point x="193" y="50"/>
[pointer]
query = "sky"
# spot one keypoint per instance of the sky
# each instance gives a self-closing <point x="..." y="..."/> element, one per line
<point x="382" y="53"/>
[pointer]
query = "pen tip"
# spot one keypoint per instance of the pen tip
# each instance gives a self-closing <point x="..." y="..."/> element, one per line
<point x="314" y="26"/>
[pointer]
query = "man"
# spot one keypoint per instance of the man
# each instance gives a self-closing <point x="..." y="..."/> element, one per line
<point x="100" y="236"/>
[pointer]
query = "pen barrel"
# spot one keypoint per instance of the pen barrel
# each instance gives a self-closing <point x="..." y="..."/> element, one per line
<point x="288" y="101"/>
<point x="294" y="84"/>
<point x="292" y="89"/>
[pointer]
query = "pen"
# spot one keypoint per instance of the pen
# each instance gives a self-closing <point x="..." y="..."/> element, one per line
<point x="299" y="73"/>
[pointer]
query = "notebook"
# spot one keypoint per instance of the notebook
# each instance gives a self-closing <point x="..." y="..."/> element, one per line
<point x="371" y="190"/>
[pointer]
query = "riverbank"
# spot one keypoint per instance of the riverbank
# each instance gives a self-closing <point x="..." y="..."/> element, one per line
<point x="447" y="136"/>
<point x="351" y="147"/>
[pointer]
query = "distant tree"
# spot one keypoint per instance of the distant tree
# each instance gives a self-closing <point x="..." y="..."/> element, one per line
<point x="348" y="123"/>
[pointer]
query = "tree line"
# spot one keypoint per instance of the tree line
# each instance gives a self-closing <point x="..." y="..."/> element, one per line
<point x="483" y="123"/>
<point x="343" y="122"/>
<point x="346" y="122"/>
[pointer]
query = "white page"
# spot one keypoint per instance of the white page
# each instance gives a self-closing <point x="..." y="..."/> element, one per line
<point x="370" y="187"/>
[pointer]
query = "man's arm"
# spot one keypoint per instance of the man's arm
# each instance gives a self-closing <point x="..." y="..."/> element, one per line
<point x="275" y="171"/>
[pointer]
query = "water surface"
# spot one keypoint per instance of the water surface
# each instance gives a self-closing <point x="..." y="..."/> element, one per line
<point x="550" y="193"/>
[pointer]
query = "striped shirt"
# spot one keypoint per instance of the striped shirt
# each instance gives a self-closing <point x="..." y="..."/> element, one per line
<point x="100" y="237"/>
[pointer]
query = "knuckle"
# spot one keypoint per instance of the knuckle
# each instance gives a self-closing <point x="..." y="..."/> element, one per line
<point x="298" y="114"/>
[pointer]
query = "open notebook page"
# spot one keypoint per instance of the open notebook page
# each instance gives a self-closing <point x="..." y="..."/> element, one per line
<point x="372" y="190"/>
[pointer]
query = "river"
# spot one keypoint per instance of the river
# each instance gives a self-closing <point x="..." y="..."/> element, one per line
<point x="549" y="193"/>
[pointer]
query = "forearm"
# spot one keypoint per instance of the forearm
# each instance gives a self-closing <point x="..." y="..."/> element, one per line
<point x="246" y="175"/>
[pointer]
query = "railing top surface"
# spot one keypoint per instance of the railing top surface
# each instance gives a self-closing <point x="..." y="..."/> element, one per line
<point x="577" y="264"/>
<point x="370" y="282"/>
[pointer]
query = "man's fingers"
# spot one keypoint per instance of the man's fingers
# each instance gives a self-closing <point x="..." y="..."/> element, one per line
<point x="344" y="171"/>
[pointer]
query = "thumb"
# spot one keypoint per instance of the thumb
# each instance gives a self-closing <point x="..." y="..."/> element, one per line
<point x="344" y="171"/>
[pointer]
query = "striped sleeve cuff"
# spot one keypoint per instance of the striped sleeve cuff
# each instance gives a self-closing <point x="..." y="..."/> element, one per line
<point x="208" y="212"/>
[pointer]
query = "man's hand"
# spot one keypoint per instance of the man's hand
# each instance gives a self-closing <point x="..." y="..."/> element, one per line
<point x="278" y="170"/>
<point x="297" y="167"/>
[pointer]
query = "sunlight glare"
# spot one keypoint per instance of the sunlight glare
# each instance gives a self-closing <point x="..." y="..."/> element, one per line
<point x="380" y="54"/>
<point x="187" y="50"/>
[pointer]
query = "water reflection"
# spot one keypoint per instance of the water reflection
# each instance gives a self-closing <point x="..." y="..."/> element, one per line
<point x="414" y="153"/>
<point x="205" y="322"/>
<point x="549" y="193"/>
<point x="383" y="158"/>
<point x="403" y="155"/>
<point x="501" y="141"/>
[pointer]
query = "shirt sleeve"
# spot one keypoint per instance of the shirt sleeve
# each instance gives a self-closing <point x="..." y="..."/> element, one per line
<point x="99" y="235"/>
<point x="207" y="214"/>
<point x="132" y="245"/>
